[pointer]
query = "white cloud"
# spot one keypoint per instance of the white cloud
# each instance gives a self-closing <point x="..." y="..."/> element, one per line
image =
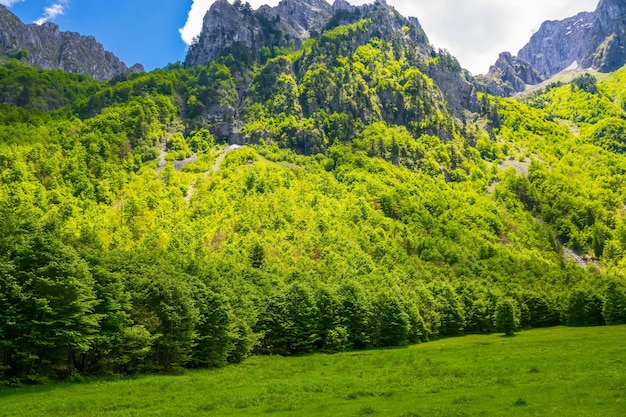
<point x="50" y="13"/>
<point x="193" y="25"/>
<point x="9" y="3"/>
<point x="198" y="9"/>
<point x="475" y="31"/>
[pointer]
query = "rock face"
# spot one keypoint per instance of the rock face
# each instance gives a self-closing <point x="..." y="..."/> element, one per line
<point x="587" y="40"/>
<point x="223" y="26"/>
<point x="509" y="75"/>
<point x="299" y="18"/>
<point x="228" y="25"/>
<point x="50" y="48"/>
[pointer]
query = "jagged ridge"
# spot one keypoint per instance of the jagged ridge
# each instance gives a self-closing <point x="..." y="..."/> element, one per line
<point x="50" y="48"/>
<point x="588" y="40"/>
<point x="226" y="25"/>
<point x="508" y="76"/>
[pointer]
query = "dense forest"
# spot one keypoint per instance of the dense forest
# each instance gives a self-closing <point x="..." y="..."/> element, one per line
<point x="363" y="210"/>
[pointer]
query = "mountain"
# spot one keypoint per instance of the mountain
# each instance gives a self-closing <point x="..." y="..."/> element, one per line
<point x="45" y="46"/>
<point x="588" y="40"/>
<point x="299" y="38"/>
<point x="136" y="245"/>
<point x="374" y="200"/>
<point x="508" y="76"/>
<point x="226" y="25"/>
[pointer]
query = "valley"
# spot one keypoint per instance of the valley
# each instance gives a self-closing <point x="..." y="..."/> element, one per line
<point x="329" y="187"/>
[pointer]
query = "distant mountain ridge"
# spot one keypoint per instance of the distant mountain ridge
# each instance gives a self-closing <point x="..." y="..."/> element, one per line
<point x="50" y="48"/>
<point x="509" y="75"/>
<point x="588" y="40"/>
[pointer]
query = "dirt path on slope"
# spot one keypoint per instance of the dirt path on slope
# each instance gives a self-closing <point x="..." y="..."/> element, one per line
<point x="215" y="168"/>
<point x="218" y="161"/>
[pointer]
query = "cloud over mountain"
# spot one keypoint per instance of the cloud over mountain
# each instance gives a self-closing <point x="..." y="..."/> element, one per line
<point x="50" y="13"/>
<point x="9" y="3"/>
<point x="475" y="31"/>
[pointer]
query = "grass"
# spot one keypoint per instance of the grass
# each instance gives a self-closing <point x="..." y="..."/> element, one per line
<point x="564" y="77"/>
<point x="547" y="372"/>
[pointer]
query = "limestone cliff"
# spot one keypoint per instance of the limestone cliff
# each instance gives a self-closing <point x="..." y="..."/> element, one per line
<point x="50" y="48"/>
<point x="587" y="40"/>
<point x="226" y="26"/>
<point x="509" y="75"/>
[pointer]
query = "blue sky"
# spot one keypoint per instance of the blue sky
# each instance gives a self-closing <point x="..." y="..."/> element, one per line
<point x="151" y="32"/>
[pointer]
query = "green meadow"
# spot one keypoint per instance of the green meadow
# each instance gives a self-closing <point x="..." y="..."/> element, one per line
<point x="547" y="372"/>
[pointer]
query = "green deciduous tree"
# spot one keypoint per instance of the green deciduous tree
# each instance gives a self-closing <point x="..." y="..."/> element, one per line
<point x="391" y="324"/>
<point x="450" y="308"/>
<point x="583" y="307"/>
<point x="215" y="328"/>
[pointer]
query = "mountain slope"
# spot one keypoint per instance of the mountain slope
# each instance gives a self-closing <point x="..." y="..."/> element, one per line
<point x="588" y="40"/>
<point x="368" y="208"/>
<point x="45" y="46"/>
<point x="386" y="238"/>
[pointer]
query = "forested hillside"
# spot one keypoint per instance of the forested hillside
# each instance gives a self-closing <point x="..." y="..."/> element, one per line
<point x="367" y="209"/>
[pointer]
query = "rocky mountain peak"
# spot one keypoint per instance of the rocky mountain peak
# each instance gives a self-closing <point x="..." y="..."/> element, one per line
<point x="50" y="48"/>
<point x="232" y="28"/>
<point x="612" y="9"/>
<point x="587" y="40"/>
<point x="342" y="5"/>
<point x="227" y="25"/>
<point x="509" y="75"/>
<point x="298" y="18"/>
<point x="223" y="25"/>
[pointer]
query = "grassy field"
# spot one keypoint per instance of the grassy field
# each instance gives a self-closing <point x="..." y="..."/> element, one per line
<point x="548" y="372"/>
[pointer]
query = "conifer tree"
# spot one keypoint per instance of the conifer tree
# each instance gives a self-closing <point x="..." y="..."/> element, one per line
<point x="506" y="317"/>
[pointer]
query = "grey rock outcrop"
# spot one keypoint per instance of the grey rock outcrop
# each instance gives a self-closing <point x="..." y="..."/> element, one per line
<point x="50" y="48"/>
<point x="223" y="26"/>
<point x="588" y="40"/>
<point x="228" y="25"/>
<point x="509" y="75"/>
<point x="299" y="18"/>
<point x="460" y="94"/>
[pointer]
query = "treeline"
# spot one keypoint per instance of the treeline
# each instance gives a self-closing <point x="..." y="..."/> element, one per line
<point x="67" y="314"/>
<point x="32" y="88"/>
